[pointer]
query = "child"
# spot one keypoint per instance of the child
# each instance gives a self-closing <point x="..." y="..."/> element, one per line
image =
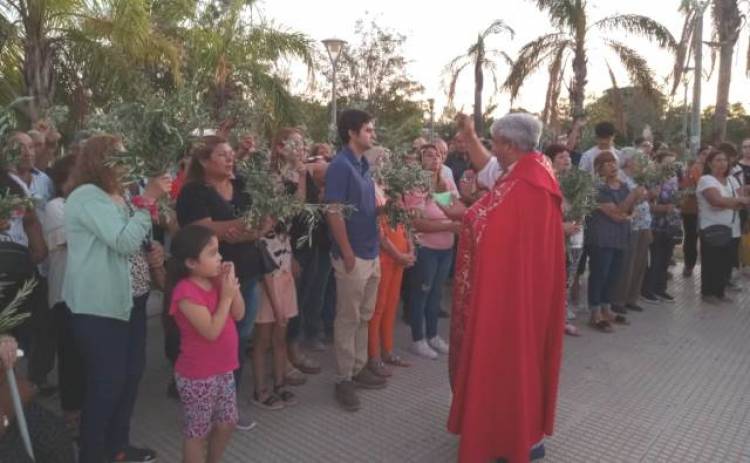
<point x="204" y="299"/>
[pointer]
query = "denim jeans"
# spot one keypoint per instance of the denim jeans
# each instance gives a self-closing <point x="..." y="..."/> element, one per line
<point x="604" y="269"/>
<point x="249" y="289"/>
<point x="426" y="281"/>
<point x="114" y="353"/>
<point x="311" y="293"/>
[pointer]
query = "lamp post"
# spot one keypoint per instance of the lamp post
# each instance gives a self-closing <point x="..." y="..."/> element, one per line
<point x="334" y="48"/>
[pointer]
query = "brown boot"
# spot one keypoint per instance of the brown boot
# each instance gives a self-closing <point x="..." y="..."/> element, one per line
<point x="346" y="396"/>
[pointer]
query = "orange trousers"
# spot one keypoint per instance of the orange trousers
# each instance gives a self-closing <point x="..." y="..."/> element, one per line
<point x="381" y="325"/>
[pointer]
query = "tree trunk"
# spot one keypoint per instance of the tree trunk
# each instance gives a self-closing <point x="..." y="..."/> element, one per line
<point x="478" y="86"/>
<point x="38" y="71"/>
<point x="578" y="88"/>
<point x="728" y="26"/>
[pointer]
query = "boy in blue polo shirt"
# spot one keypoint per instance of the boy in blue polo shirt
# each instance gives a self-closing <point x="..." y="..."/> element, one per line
<point x="356" y="246"/>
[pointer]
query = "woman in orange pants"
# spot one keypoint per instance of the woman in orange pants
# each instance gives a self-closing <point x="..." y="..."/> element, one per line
<point x="396" y="253"/>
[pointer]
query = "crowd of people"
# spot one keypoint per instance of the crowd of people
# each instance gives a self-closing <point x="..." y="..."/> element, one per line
<point x="493" y="223"/>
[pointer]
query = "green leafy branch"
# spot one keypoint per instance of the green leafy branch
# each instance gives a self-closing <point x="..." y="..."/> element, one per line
<point x="11" y="204"/>
<point x="9" y="315"/>
<point x="579" y="190"/>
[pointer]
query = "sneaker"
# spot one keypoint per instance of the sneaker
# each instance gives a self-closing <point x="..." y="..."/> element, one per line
<point x="634" y="307"/>
<point x="421" y="349"/>
<point x="315" y="345"/>
<point x="649" y="298"/>
<point x="734" y="287"/>
<point x="665" y="297"/>
<point x="366" y="379"/>
<point x="713" y="300"/>
<point x="134" y="455"/>
<point x="439" y="345"/>
<point x="346" y="396"/>
<point x="244" y="423"/>
<point x="726" y="299"/>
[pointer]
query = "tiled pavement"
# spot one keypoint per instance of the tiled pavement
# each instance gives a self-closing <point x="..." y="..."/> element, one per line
<point x="672" y="387"/>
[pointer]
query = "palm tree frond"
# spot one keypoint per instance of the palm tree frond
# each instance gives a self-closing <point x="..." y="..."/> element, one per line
<point x="498" y="26"/>
<point x="641" y="25"/>
<point x="636" y="66"/>
<point x="530" y="57"/>
<point x="564" y="14"/>
<point x="682" y="57"/>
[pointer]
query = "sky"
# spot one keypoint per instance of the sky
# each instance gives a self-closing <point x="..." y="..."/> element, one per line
<point x="439" y="30"/>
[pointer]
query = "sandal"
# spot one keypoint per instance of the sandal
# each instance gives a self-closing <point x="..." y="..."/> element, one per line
<point x="620" y="320"/>
<point x="287" y="397"/>
<point x="294" y="377"/>
<point x="378" y="367"/>
<point x="602" y="325"/>
<point x="395" y="360"/>
<point x="571" y="330"/>
<point x="272" y="402"/>
<point x="308" y="365"/>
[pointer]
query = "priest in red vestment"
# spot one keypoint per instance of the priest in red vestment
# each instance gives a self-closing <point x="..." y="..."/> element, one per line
<point x="508" y="301"/>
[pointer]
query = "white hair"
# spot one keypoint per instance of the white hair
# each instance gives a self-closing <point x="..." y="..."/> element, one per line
<point x="520" y="129"/>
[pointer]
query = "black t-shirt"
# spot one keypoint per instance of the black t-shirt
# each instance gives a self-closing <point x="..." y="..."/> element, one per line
<point x="198" y="201"/>
<point x="458" y="164"/>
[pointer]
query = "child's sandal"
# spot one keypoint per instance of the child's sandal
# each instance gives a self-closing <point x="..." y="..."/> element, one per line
<point x="287" y="397"/>
<point x="272" y="402"/>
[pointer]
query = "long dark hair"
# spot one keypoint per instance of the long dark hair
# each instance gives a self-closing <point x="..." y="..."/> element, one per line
<point x="201" y="151"/>
<point x="188" y="243"/>
<point x="710" y="158"/>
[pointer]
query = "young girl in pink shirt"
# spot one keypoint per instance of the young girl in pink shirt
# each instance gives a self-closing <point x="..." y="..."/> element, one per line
<point x="205" y="300"/>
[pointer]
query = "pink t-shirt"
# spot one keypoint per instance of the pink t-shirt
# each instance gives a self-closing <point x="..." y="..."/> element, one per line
<point x="200" y="358"/>
<point x="430" y="210"/>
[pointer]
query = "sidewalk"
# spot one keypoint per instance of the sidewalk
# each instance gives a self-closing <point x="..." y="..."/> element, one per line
<point x="672" y="387"/>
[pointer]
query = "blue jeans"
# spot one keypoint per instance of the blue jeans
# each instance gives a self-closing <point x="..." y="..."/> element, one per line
<point x="249" y="289"/>
<point x="114" y="353"/>
<point x="605" y="265"/>
<point x="311" y="293"/>
<point x="426" y="281"/>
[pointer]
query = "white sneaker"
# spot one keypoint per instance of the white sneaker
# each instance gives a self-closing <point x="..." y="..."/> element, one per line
<point x="439" y="345"/>
<point x="421" y="349"/>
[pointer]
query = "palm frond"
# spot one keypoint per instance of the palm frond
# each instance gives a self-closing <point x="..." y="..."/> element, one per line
<point x="636" y="67"/>
<point x="553" y="85"/>
<point x="498" y="26"/>
<point x="564" y="14"/>
<point x="682" y="57"/>
<point x="266" y="43"/>
<point x="530" y="57"/>
<point x="640" y="25"/>
<point x="617" y="102"/>
<point x="453" y="71"/>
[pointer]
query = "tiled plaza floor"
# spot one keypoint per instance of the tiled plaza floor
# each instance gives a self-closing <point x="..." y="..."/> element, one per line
<point x="672" y="387"/>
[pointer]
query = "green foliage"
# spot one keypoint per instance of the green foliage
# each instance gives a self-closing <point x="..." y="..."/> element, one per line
<point x="649" y="174"/>
<point x="579" y="191"/>
<point x="9" y="315"/>
<point x="11" y="204"/>
<point x="400" y="177"/>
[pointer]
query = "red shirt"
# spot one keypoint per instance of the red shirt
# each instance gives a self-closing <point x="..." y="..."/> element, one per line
<point x="200" y="358"/>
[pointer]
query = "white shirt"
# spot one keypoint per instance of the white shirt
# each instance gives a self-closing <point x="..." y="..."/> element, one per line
<point x="709" y="215"/>
<point x="16" y="232"/>
<point x="53" y="228"/>
<point x="447" y="175"/>
<point x="587" y="158"/>
<point x="489" y="174"/>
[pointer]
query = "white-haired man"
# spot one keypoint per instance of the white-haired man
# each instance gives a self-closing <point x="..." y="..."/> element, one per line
<point x="508" y="301"/>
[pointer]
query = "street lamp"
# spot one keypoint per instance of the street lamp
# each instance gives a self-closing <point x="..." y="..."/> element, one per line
<point x="334" y="48"/>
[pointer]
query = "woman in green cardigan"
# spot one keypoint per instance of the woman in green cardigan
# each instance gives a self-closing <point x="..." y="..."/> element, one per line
<point x="102" y="234"/>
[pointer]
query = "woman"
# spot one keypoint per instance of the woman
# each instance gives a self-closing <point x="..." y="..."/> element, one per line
<point x="396" y="254"/>
<point x="635" y="261"/>
<point x="213" y="196"/>
<point x="667" y="229"/>
<point x="689" y="211"/>
<point x="608" y="235"/>
<point x="110" y="330"/>
<point x="435" y="239"/>
<point x="719" y="201"/>
<point x="71" y="374"/>
<point x="561" y="162"/>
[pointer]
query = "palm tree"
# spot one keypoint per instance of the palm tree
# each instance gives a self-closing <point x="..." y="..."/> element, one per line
<point x="38" y="35"/>
<point x="574" y="34"/>
<point x="482" y="59"/>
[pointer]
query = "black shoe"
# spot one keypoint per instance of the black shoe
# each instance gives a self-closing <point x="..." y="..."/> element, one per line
<point x="634" y="307"/>
<point x="619" y="309"/>
<point x="443" y="314"/>
<point x="537" y="453"/>
<point x="346" y="396"/>
<point x="687" y="273"/>
<point x="45" y="389"/>
<point x="134" y="455"/>
<point x="665" y="297"/>
<point x="649" y="298"/>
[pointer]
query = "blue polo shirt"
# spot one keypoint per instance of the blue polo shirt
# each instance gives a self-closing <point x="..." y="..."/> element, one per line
<point x="348" y="181"/>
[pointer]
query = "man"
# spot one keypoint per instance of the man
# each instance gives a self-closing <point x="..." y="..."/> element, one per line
<point x="445" y="172"/>
<point x="605" y="141"/>
<point x="457" y="160"/>
<point x="508" y="302"/>
<point x="355" y="251"/>
<point x="39" y="184"/>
